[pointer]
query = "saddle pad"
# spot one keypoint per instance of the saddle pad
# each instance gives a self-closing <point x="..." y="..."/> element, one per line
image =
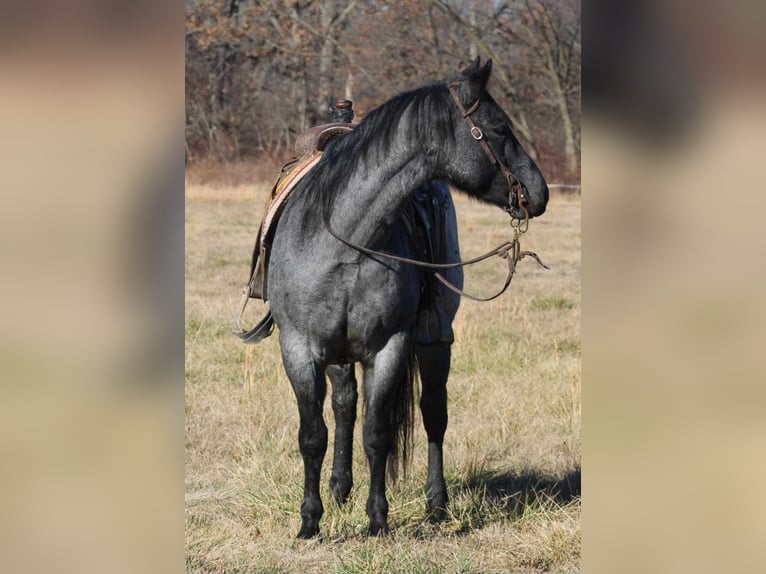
<point x="284" y="187"/>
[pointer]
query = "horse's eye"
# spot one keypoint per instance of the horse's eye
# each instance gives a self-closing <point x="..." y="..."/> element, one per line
<point x="499" y="131"/>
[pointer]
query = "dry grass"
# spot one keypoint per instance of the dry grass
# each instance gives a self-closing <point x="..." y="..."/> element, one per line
<point x="512" y="448"/>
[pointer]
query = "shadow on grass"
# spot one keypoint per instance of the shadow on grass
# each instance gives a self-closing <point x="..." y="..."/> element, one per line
<point x="485" y="496"/>
<point x="527" y="485"/>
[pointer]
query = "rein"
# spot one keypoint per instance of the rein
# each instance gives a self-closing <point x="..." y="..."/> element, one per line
<point x="510" y="250"/>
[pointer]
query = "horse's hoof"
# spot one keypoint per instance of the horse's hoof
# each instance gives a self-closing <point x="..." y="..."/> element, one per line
<point x="378" y="530"/>
<point x="436" y="508"/>
<point x="308" y="531"/>
<point x="340" y="491"/>
<point x="436" y="514"/>
<point x="340" y="497"/>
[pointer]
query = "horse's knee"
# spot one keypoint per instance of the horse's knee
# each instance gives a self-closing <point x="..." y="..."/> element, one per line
<point x="377" y="437"/>
<point x="344" y="400"/>
<point x="313" y="440"/>
<point x="344" y="393"/>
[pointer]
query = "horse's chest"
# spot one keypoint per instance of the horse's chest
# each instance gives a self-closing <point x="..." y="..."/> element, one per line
<point x="347" y="309"/>
<point x="361" y="302"/>
<point x="376" y="293"/>
<point x="379" y="305"/>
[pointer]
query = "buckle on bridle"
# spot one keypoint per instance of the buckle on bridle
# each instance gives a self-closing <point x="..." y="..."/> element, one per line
<point x="476" y="133"/>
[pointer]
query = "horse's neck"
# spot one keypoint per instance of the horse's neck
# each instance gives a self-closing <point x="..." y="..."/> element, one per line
<point x="365" y="209"/>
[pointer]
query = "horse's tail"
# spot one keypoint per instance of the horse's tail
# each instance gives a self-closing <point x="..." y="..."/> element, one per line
<point x="402" y="419"/>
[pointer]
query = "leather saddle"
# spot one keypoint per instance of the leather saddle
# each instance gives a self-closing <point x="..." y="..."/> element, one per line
<point x="316" y="138"/>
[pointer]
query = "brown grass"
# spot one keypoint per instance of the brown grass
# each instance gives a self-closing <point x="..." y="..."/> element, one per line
<point x="512" y="448"/>
<point x="235" y="173"/>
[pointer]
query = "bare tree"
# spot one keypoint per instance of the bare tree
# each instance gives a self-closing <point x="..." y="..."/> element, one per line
<point x="260" y="71"/>
<point x="333" y="17"/>
<point x="551" y="32"/>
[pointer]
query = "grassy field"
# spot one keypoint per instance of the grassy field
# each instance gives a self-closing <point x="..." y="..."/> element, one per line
<point x="512" y="451"/>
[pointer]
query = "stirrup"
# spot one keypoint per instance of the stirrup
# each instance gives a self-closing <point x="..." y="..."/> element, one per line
<point x="262" y="329"/>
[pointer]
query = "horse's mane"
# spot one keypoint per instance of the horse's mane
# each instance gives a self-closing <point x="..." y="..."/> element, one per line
<point x="425" y="110"/>
<point x="426" y="115"/>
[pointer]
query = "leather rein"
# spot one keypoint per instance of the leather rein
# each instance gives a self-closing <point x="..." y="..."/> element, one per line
<point x="509" y="250"/>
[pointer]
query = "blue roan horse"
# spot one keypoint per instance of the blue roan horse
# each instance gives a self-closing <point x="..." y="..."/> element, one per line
<point x="335" y="306"/>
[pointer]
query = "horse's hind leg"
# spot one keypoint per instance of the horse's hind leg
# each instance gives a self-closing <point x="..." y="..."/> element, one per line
<point x="308" y="381"/>
<point x="434" y="365"/>
<point x="344" y="397"/>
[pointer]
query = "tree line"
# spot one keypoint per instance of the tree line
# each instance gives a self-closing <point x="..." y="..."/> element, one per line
<point x="259" y="72"/>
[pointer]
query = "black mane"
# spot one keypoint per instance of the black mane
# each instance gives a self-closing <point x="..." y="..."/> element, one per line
<point x="424" y="112"/>
<point x="425" y="109"/>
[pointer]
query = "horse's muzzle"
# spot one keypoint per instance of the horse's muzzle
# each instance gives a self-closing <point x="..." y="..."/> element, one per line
<point x="524" y="204"/>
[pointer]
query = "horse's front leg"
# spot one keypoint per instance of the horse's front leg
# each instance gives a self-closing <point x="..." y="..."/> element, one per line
<point x="344" y="397"/>
<point x="434" y="365"/>
<point x="308" y="382"/>
<point x="383" y="381"/>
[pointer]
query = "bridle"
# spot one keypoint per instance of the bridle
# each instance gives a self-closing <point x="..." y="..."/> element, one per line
<point x="510" y="250"/>
<point x="515" y="189"/>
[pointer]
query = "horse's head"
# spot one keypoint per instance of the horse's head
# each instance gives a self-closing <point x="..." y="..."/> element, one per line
<point x="481" y="169"/>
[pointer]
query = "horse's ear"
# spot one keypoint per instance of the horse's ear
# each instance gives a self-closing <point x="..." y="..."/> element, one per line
<point x="478" y="74"/>
<point x="476" y="78"/>
<point x="472" y="68"/>
<point x="486" y="71"/>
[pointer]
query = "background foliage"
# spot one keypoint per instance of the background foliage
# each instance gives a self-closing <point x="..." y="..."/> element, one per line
<point x="259" y="72"/>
